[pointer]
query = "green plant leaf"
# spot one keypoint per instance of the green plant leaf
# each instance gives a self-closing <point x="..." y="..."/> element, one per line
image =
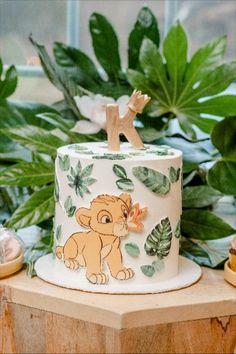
<point x="145" y="27"/>
<point x="191" y="250"/>
<point x="27" y="174"/>
<point x="119" y="171"/>
<point x="8" y="85"/>
<point x="57" y="121"/>
<point x="132" y="249"/>
<point x="180" y="90"/>
<point x="39" y="207"/>
<point x="64" y="162"/>
<point x="58" y="77"/>
<point x="223" y="137"/>
<point x="211" y="253"/>
<point x="174" y="174"/>
<point x="158" y="241"/>
<point x="35" y="138"/>
<point x="204" y="225"/>
<point x="148" y="270"/>
<point x="158" y="265"/>
<point x="125" y="184"/>
<point x="204" y="60"/>
<point x="152" y="179"/>
<point x="222" y="106"/>
<point x="199" y="196"/>
<point x="193" y="153"/>
<point x="103" y="33"/>
<point x="80" y="67"/>
<point x="175" y="46"/>
<point x="15" y="113"/>
<point x="222" y="175"/>
<point x="153" y="67"/>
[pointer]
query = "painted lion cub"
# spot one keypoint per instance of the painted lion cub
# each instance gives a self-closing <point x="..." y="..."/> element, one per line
<point x="107" y="218"/>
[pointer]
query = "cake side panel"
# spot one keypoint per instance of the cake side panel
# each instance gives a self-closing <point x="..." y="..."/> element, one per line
<point x="80" y="181"/>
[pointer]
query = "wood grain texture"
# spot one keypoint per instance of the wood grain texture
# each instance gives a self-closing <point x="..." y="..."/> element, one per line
<point x="28" y="330"/>
<point x="116" y="125"/>
<point x="212" y="297"/>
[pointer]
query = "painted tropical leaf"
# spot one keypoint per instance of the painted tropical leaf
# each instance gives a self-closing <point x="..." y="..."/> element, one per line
<point x="79" y="179"/>
<point x="56" y="191"/>
<point x="174" y="174"/>
<point x="119" y="171"/>
<point x="77" y="147"/>
<point x="125" y="184"/>
<point x="132" y="249"/>
<point x="152" y="179"/>
<point x="58" y="233"/>
<point x="108" y="156"/>
<point x="158" y="265"/>
<point x="158" y="242"/>
<point x="64" y="162"/>
<point x="148" y="270"/>
<point x="69" y="207"/>
<point x="178" y="230"/>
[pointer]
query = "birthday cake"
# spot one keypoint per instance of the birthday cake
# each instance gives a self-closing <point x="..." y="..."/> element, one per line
<point x="117" y="215"/>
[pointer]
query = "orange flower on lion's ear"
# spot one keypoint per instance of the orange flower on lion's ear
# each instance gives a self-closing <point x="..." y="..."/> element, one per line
<point x="134" y="218"/>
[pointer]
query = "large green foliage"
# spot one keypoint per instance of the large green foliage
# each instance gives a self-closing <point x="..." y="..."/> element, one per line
<point x="180" y="88"/>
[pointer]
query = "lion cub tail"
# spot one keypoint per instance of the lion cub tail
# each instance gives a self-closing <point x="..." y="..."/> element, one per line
<point x="59" y="252"/>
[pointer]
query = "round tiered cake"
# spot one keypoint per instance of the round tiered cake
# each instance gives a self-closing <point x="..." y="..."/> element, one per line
<point x="117" y="221"/>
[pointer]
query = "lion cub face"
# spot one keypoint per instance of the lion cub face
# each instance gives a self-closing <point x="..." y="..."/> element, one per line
<point x="107" y="215"/>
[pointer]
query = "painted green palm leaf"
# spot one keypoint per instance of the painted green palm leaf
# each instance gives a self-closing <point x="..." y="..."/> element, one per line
<point x="158" y="241"/>
<point x="125" y="184"/>
<point x="64" y="162"/>
<point x="152" y="179"/>
<point x="79" y="179"/>
<point x="178" y="230"/>
<point x="119" y="171"/>
<point x="174" y="174"/>
<point x="56" y="190"/>
<point x="69" y="207"/>
<point x="132" y="249"/>
<point x="148" y="270"/>
<point x="58" y="233"/>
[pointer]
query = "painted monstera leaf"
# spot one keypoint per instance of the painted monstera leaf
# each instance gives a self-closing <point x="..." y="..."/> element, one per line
<point x="152" y="179"/>
<point x="158" y="242"/>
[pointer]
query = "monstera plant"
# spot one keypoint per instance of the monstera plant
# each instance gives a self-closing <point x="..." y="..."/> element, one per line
<point x="188" y="111"/>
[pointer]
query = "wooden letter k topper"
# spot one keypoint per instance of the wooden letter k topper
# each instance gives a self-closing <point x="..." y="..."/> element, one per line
<point x="117" y="125"/>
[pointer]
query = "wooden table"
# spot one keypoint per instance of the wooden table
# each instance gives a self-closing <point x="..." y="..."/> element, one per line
<point x="37" y="317"/>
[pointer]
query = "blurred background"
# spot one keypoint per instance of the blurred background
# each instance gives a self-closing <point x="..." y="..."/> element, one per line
<point x="67" y="21"/>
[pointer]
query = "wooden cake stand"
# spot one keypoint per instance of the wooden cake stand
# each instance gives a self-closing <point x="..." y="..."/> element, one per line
<point x="37" y="317"/>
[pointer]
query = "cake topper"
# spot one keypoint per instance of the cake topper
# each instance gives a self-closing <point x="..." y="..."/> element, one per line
<point x="117" y="125"/>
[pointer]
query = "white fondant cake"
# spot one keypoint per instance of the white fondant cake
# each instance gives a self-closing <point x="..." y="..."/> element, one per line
<point x="117" y="215"/>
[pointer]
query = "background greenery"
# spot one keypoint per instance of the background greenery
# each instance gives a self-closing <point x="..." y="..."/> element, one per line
<point x="187" y="112"/>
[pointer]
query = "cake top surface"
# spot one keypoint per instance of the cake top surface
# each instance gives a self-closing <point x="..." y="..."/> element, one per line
<point x="99" y="150"/>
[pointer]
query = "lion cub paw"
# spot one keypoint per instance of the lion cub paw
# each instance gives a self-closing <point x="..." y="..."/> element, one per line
<point x="125" y="274"/>
<point x="99" y="278"/>
<point x="72" y="264"/>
